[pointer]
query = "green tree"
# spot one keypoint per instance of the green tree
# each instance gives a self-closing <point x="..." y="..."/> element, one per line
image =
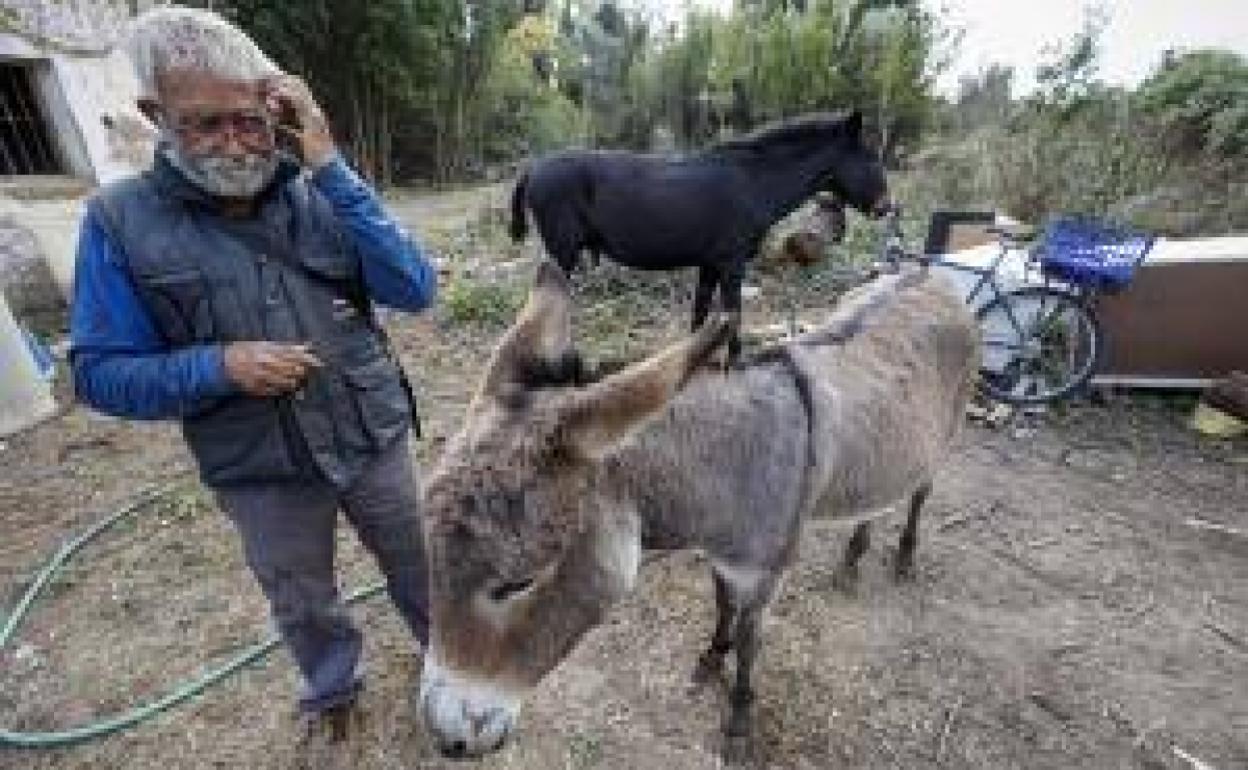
<point x="1201" y="98"/>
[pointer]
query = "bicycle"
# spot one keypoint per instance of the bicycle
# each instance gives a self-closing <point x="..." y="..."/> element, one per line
<point x="1041" y="341"/>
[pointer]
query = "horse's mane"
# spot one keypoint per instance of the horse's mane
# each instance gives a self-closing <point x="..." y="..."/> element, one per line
<point x="801" y="128"/>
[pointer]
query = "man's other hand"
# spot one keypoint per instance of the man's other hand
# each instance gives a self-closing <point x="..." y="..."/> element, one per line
<point x="268" y="368"/>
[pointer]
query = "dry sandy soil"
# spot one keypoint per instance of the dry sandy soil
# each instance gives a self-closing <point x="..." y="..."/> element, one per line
<point x="1065" y="614"/>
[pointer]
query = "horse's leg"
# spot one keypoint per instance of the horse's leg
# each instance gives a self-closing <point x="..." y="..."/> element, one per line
<point x="730" y="281"/>
<point x="845" y="579"/>
<point x="708" y="279"/>
<point x="904" y="567"/>
<point x="562" y="235"/>
<point x="711" y="661"/>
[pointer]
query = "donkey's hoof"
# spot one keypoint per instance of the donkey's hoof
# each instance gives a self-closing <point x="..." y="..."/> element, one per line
<point x="740" y="750"/>
<point x="845" y="580"/>
<point x="904" y="571"/>
<point x="709" y="668"/>
<point x="740" y="722"/>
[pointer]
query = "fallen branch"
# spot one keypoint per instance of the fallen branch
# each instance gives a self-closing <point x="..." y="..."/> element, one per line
<point x="1188" y="758"/>
<point x="1041" y="576"/>
<point x="1226" y="636"/>
<point x="1210" y="526"/>
<point x="1048" y="705"/>
<point x="955" y="520"/>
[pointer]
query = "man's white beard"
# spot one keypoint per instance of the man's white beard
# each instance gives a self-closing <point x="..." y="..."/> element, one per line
<point x="241" y="177"/>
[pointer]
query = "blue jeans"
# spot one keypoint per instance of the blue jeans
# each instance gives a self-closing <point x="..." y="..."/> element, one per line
<point x="287" y="531"/>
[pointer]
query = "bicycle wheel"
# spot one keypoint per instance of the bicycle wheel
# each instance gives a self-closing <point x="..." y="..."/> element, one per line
<point x="1039" y="344"/>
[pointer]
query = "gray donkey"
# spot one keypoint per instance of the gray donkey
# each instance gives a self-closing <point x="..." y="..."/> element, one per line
<point x="537" y="513"/>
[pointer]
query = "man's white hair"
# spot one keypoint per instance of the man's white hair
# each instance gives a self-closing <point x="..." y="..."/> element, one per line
<point x="175" y="38"/>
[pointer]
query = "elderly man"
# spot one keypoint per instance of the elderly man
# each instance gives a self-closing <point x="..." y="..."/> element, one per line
<point x="231" y="287"/>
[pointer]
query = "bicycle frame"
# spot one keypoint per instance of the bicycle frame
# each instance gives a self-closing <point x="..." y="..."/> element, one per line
<point x="988" y="291"/>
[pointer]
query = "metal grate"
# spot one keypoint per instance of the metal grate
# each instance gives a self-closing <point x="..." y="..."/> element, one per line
<point x="25" y="144"/>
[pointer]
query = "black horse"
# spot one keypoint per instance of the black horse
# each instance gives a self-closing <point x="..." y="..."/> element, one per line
<point x="708" y="209"/>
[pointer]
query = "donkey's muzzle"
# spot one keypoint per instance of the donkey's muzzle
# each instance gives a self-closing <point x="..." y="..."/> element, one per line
<point x="465" y="719"/>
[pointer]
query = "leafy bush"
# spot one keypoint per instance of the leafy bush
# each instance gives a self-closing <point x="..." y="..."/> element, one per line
<point x="1164" y="158"/>
<point x="468" y="300"/>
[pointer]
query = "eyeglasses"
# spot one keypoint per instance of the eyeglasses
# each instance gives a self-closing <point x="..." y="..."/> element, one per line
<point x="248" y="126"/>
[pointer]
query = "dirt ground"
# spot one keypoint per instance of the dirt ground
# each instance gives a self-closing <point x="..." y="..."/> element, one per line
<point x="1066" y="614"/>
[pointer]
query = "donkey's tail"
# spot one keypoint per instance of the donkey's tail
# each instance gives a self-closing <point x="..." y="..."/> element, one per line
<point x="519" y="222"/>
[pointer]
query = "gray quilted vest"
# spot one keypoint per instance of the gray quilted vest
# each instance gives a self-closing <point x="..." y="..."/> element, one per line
<point x="204" y="285"/>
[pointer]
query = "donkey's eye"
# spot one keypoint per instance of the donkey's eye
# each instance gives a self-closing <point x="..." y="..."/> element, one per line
<point x="507" y="589"/>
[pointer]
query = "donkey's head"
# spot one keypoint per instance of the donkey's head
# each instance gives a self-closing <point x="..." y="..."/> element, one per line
<point x="527" y="545"/>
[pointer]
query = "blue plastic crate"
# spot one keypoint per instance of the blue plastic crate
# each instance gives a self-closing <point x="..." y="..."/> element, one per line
<point x="1092" y="254"/>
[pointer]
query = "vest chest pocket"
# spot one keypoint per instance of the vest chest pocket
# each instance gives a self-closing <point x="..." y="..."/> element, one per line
<point x="379" y="395"/>
<point x="180" y="305"/>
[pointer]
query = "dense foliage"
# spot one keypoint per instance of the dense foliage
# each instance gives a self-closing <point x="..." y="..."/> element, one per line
<point x="442" y="88"/>
<point x="447" y="90"/>
<point x="1169" y="155"/>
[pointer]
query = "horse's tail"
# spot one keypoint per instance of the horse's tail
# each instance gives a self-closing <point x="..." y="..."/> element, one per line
<point x="519" y="222"/>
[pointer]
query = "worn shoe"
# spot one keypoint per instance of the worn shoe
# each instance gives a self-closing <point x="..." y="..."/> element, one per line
<point x="324" y="735"/>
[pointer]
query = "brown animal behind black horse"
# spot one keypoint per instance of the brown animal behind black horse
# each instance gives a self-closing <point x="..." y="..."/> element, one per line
<point x="708" y="209"/>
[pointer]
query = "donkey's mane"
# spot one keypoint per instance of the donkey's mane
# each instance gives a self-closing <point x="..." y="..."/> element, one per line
<point x="797" y="129"/>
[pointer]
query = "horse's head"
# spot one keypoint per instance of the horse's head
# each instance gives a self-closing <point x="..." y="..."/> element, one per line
<point x="824" y="151"/>
<point x="527" y="545"/>
<point x="856" y="175"/>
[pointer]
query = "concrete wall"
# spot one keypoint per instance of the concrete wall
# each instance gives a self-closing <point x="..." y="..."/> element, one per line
<point x="87" y="90"/>
<point x="70" y="26"/>
<point x="86" y="84"/>
<point x="100" y="93"/>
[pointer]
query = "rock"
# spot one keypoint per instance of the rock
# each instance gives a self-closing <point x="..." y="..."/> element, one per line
<point x="804" y="237"/>
<point x="994" y="416"/>
<point x="1210" y="421"/>
<point x="1230" y="396"/>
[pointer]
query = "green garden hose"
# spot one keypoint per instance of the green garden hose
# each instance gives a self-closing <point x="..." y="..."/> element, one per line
<point x="142" y="713"/>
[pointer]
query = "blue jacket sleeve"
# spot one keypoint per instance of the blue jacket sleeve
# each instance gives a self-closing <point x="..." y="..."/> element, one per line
<point x="396" y="271"/>
<point x="121" y="365"/>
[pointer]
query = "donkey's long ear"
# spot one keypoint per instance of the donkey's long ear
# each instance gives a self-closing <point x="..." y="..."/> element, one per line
<point x="600" y="417"/>
<point x="540" y="338"/>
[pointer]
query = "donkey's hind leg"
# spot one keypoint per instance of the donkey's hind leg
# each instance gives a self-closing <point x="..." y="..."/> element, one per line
<point x="741" y="696"/>
<point x="711" y="661"/>
<point x="845" y="579"/>
<point x="903" y="569"/>
<point x="563" y="236"/>
<point x="747" y="590"/>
